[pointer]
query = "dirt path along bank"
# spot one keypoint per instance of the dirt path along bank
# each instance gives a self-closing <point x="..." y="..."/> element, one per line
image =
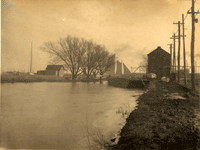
<point x="165" y="119"/>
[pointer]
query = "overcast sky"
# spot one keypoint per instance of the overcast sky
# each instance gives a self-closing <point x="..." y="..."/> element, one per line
<point x="128" y="28"/>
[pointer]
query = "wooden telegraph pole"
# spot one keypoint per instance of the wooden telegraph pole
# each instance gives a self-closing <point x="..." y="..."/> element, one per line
<point x="31" y="59"/>
<point x="185" y="81"/>
<point x="194" y="20"/>
<point x="171" y="55"/>
<point x="174" y="56"/>
<point x="179" y="43"/>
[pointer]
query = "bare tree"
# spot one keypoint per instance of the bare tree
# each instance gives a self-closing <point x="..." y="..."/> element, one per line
<point x="96" y="60"/>
<point x="90" y="59"/>
<point x="144" y="63"/>
<point x="68" y="51"/>
<point x="106" y="61"/>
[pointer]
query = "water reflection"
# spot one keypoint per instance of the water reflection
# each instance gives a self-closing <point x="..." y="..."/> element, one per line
<point x="55" y="115"/>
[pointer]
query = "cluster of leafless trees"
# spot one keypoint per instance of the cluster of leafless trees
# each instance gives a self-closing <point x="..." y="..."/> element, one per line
<point x="80" y="56"/>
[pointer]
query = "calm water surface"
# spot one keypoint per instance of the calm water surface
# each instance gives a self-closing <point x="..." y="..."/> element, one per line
<point x="58" y="115"/>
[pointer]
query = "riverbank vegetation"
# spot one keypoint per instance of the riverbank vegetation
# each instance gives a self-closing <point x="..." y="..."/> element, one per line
<point x="164" y="119"/>
<point x="12" y="78"/>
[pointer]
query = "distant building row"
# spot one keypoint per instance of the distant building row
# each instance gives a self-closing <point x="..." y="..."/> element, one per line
<point x="118" y="69"/>
<point x="159" y="63"/>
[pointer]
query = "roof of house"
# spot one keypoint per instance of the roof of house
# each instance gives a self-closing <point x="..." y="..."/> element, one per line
<point x="54" y="67"/>
<point x="158" y="49"/>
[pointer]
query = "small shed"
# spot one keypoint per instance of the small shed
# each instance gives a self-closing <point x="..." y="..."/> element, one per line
<point x="159" y="62"/>
<point x="56" y="70"/>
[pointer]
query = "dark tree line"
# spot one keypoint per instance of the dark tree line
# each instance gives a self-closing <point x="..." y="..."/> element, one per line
<point x="80" y="56"/>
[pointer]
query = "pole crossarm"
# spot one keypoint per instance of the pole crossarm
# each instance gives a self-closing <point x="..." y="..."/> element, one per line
<point x="176" y="37"/>
<point x="170" y="44"/>
<point x="177" y="23"/>
<point x="173" y="37"/>
<point x="193" y="12"/>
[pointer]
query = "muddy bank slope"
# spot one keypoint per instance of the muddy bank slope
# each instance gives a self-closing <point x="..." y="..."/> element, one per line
<point x="164" y="119"/>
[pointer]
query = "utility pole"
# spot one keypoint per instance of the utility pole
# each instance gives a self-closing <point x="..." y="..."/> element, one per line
<point x="171" y="55"/>
<point x="185" y="82"/>
<point x="194" y="20"/>
<point x="31" y="59"/>
<point x="174" y="56"/>
<point x="179" y="43"/>
<point x="122" y="68"/>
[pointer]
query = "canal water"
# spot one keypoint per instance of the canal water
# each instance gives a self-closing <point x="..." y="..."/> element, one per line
<point x="60" y="115"/>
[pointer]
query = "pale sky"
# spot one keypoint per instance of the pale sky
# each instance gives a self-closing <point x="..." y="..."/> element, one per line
<point x="127" y="28"/>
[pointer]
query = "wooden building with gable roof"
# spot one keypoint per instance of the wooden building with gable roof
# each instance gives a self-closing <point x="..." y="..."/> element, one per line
<point x="56" y="70"/>
<point x="159" y="62"/>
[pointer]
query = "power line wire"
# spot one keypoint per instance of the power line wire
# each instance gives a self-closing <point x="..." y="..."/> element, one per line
<point x="187" y="14"/>
<point x="197" y="11"/>
<point x="188" y="25"/>
<point x="177" y="10"/>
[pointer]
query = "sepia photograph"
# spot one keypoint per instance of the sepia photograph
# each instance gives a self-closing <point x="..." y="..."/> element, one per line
<point x="100" y="75"/>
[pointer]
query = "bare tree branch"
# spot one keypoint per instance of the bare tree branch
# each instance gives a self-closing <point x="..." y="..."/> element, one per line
<point x="144" y="62"/>
<point x="69" y="51"/>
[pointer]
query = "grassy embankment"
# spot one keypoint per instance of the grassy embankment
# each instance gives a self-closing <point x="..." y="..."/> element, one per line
<point x="167" y="118"/>
<point x="11" y="78"/>
<point x="162" y="120"/>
